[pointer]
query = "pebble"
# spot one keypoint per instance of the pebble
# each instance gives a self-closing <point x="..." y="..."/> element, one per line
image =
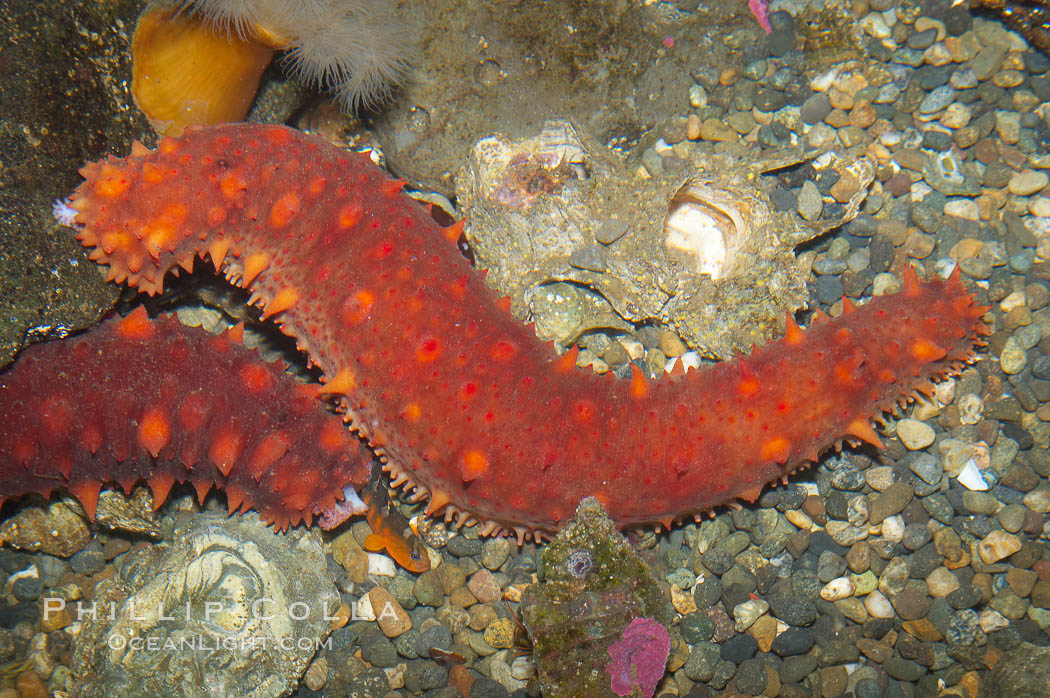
<point x="878" y="605"/>
<point x="810" y="204"/>
<point x="941" y="582"/>
<point x="915" y="435"/>
<point x="391" y="617"/>
<point x="839" y="588"/>
<point x="1027" y="182"/>
<point x="997" y="546"/>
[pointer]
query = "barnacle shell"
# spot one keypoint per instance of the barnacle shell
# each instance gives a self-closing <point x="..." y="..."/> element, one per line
<point x="254" y="602"/>
<point x="704" y="251"/>
<point x="187" y="73"/>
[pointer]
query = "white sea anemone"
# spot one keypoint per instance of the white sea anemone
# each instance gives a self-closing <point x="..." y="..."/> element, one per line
<point x="357" y="49"/>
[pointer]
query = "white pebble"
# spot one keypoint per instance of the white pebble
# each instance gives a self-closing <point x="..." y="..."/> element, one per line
<point x="971" y="408"/>
<point x="381" y="565"/>
<point x="893" y="528"/>
<point x="838" y="589"/>
<point x="878" y="605"/>
<point x="971" y="477"/>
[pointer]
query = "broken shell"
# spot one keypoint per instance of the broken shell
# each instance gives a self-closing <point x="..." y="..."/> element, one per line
<point x="706" y="228"/>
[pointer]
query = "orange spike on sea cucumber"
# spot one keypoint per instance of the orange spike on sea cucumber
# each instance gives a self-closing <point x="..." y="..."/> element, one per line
<point x="639" y="385"/>
<point x="862" y="430"/>
<point x="910" y="287"/>
<point x="792" y="332"/>
<point x="160" y="483"/>
<point x="848" y="308"/>
<point x="344" y="383"/>
<point x="286" y="298"/>
<point x="254" y="264"/>
<point x="136" y="325"/>
<point x="453" y="231"/>
<point x="86" y="491"/>
<point x="566" y="363"/>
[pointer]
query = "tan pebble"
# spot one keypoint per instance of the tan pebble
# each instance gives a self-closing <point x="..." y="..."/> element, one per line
<point x="395" y="676"/>
<point x="1038" y="500"/>
<point x="923" y="23"/>
<point x="462" y="597"/>
<point x="966" y="248"/>
<point x="998" y="545"/>
<point x="682" y="600"/>
<point x="29" y="685"/>
<point x="922" y="629"/>
<point x="941" y="582"/>
<point x="1008" y="78"/>
<point x="971" y="683"/>
<point x="392" y="619"/>
<point x="671" y="345"/>
<point x="692" y="127"/>
<point x="915" y="435"/>
<point x="853" y="609"/>
<point x="513" y="592"/>
<point x="728" y="77"/>
<point x="764" y="630"/>
<point x="845" y="188"/>
<point x="862" y="115"/>
<point x="316" y="674"/>
<point x="480" y="617"/>
<point x="1042" y="413"/>
<point x="960" y="50"/>
<point x="991" y="621"/>
<point x="937" y="54"/>
<point x="799" y="518"/>
<point x="341" y="616"/>
<point x="1027" y="182"/>
<point x="55" y="619"/>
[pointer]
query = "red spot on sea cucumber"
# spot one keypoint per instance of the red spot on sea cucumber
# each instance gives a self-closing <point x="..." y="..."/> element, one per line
<point x="216" y="214"/>
<point x="154" y="430"/>
<point x="226" y="448"/>
<point x="269" y="451"/>
<point x="112" y="182"/>
<point x="504" y="350"/>
<point x="356" y="308"/>
<point x="256" y="378"/>
<point x="926" y="351"/>
<point x="193" y="412"/>
<point x="284" y="210"/>
<point x="474" y="465"/>
<point x="232" y="186"/>
<point x="349" y="215"/>
<point x="584" y="410"/>
<point x="429" y="350"/>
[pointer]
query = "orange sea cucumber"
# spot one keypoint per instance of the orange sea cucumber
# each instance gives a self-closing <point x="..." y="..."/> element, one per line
<point x="460" y="399"/>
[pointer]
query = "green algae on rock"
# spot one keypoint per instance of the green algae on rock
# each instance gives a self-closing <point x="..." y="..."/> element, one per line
<point x="594" y="584"/>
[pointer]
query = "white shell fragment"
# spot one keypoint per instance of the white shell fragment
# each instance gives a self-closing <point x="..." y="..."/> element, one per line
<point x="971" y="477"/>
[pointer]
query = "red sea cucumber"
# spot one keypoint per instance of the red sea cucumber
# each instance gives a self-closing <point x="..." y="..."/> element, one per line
<point x="134" y="399"/>
<point x="461" y="400"/>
